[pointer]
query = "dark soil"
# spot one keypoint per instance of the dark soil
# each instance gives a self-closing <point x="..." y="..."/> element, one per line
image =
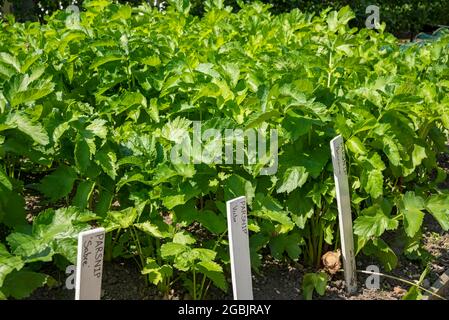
<point x="121" y="281"/>
<point x="435" y="241"/>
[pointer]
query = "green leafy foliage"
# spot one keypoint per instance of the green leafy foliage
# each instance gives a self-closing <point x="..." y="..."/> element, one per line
<point x="9" y="263"/>
<point x="52" y="232"/>
<point x="58" y="184"/>
<point x="15" y="281"/>
<point x="314" y="282"/>
<point x="20" y="284"/>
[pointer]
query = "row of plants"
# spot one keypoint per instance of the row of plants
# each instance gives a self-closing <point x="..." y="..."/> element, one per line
<point x="403" y="16"/>
<point x="90" y="110"/>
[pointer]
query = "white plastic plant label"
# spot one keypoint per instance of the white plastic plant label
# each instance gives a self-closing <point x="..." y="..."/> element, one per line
<point x="344" y="212"/>
<point x="89" y="267"/>
<point x="239" y="249"/>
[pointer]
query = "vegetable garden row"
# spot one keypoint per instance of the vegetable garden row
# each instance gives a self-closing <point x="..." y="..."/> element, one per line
<point x="91" y="108"/>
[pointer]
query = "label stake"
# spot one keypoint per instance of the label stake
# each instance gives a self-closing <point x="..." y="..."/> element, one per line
<point x="89" y="264"/>
<point x="344" y="212"/>
<point x="242" y="285"/>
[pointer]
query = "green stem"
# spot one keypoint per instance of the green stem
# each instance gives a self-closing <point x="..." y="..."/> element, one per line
<point x="158" y="246"/>
<point x="202" y="287"/>
<point x="329" y="73"/>
<point x="218" y="240"/>
<point x="207" y="288"/>
<point x="174" y="281"/>
<point x="320" y="245"/>
<point x="203" y="282"/>
<point x="316" y="232"/>
<point x="426" y="129"/>
<point x="337" y="240"/>
<point x="194" y="284"/>
<point x="137" y="262"/>
<point x="115" y="239"/>
<point x="139" y="248"/>
<point x="311" y="256"/>
<point x="112" y="244"/>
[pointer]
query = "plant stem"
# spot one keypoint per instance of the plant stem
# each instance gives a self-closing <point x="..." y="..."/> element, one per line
<point x="202" y="286"/>
<point x="329" y="73"/>
<point x="311" y="256"/>
<point x="116" y="238"/>
<point x="320" y="245"/>
<point x="218" y="240"/>
<point x="139" y="248"/>
<point x="194" y="284"/>
<point x="158" y="246"/>
<point x="402" y="280"/>
<point x="173" y="281"/>
<point x="207" y="288"/>
<point x="337" y="239"/>
<point x="113" y="242"/>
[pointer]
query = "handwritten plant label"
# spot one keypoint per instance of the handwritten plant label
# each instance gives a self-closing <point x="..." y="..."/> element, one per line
<point x="89" y="267"/>
<point x="239" y="249"/>
<point x="344" y="212"/>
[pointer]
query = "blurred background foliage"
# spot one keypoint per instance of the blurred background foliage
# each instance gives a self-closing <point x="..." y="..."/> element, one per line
<point x="404" y="18"/>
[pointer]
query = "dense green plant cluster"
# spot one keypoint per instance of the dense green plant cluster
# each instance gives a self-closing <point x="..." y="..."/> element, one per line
<point x="400" y="16"/>
<point x="91" y="109"/>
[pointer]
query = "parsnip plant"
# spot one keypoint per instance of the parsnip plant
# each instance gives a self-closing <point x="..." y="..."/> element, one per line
<point x="90" y="111"/>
